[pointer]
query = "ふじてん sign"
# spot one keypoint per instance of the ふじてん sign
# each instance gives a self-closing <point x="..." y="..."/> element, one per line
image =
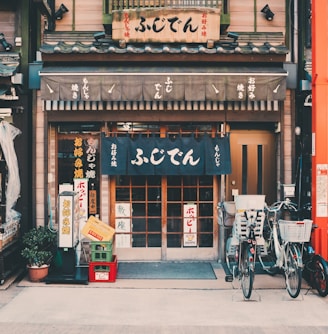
<point x="163" y="156"/>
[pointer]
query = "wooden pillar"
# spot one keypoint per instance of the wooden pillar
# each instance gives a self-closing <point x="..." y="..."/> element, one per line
<point x="320" y="124"/>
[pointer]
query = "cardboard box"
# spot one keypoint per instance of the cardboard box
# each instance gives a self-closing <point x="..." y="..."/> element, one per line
<point x="95" y="230"/>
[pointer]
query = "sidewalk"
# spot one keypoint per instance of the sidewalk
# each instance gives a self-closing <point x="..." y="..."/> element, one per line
<point x="162" y="306"/>
<point x="260" y="282"/>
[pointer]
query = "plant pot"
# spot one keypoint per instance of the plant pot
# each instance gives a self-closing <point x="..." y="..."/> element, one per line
<point x="37" y="274"/>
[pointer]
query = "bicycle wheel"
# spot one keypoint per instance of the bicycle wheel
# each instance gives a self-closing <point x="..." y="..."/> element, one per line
<point x="293" y="271"/>
<point x="319" y="275"/>
<point x="246" y="272"/>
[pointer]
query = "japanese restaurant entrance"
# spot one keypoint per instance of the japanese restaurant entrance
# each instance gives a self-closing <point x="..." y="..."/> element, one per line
<point x="163" y="214"/>
<point x="171" y="217"/>
<point x="158" y="214"/>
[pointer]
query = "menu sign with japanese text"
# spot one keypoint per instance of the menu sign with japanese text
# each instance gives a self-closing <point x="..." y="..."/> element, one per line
<point x="189" y="225"/>
<point x="123" y="225"/>
<point x="169" y="25"/>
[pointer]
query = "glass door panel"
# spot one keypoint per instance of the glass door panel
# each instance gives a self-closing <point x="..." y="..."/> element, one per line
<point x="143" y="195"/>
<point x="182" y="191"/>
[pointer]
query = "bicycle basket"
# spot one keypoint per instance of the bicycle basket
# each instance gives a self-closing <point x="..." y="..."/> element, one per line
<point x="294" y="230"/>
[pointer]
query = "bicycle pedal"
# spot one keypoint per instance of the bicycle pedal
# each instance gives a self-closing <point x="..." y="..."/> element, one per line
<point x="228" y="278"/>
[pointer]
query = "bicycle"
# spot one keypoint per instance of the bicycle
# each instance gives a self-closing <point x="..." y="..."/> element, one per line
<point x="315" y="270"/>
<point x="315" y="267"/>
<point x="241" y="248"/>
<point x="283" y="245"/>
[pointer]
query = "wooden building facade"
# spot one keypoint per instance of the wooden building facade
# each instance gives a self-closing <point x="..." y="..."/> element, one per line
<point x="156" y="111"/>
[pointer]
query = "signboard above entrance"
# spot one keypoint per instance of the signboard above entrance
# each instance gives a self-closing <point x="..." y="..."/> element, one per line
<point x="169" y="25"/>
<point x="165" y="156"/>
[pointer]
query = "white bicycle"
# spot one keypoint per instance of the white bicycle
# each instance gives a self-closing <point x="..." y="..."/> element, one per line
<point x="282" y="245"/>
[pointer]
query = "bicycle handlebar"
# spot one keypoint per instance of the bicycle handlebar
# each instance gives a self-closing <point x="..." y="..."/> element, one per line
<point x="275" y="207"/>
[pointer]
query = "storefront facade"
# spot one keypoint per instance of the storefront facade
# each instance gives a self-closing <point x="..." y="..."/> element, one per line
<point x="154" y="134"/>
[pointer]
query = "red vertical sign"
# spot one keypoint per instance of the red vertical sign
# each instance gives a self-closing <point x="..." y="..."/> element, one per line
<point x="320" y="123"/>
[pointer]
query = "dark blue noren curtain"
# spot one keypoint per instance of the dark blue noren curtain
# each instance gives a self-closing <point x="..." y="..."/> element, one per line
<point x="165" y="156"/>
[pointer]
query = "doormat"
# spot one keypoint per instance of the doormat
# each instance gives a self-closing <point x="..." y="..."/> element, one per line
<point x="165" y="270"/>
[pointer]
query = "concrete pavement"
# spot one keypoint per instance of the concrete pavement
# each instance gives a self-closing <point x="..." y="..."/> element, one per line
<point x="160" y="306"/>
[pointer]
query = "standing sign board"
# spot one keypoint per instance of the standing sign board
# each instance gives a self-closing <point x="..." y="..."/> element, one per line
<point x="68" y="219"/>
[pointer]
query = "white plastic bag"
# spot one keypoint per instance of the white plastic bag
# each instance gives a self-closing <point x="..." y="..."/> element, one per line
<point x="7" y="135"/>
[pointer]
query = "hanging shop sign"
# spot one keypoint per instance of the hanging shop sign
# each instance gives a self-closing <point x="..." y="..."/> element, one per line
<point x="92" y="202"/>
<point x="85" y="155"/>
<point x="169" y="25"/>
<point x="165" y="156"/>
<point x="164" y="84"/>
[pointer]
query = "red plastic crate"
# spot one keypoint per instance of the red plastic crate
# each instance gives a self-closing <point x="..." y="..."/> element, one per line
<point x="103" y="271"/>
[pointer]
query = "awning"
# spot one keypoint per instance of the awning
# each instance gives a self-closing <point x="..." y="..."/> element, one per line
<point x="163" y="84"/>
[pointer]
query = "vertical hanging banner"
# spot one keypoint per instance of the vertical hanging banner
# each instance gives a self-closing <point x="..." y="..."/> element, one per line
<point x="91" y="164"/>
<point x="81" y="188"/>
<point x="86" y="157"/>
<point x="189" y="225"/>
<point x="92" y="202"/>
<point x="217" y="155"/>
<point x="165" y="156"/>
<point x="114" y="155"/>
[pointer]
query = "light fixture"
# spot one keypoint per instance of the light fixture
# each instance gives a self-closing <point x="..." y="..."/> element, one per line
<point x="4" y="43"/>
<point x="60" y="12"/>
<point x="267" y="12"/>
<point x="233" y="35"/>
<point x="298" y="130"/>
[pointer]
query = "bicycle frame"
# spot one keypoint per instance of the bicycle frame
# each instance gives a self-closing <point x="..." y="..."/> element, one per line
<point x="288" y="256"/>
<point x="281" y="249"/>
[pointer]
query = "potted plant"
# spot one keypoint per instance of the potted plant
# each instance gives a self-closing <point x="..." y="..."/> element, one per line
<point x="39" y="247"/>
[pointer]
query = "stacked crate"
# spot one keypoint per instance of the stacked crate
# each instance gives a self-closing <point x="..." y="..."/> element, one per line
<point x="103" y="265"/>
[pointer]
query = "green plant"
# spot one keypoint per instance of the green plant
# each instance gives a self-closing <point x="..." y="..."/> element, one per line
<point x="39" y="246"/>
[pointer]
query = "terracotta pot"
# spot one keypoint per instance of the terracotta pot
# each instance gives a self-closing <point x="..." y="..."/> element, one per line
<point x="37" y="274"/>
